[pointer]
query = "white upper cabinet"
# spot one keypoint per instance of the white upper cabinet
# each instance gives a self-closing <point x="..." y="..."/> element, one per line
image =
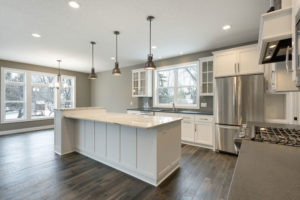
<point x="141" y="83"/>
<point x="237" y="61"/>
<point x="225" y="63"/>
<point x="206" y="76"/>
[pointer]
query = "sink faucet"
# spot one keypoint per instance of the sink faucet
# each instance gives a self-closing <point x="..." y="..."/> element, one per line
<point x="174" y="109"/>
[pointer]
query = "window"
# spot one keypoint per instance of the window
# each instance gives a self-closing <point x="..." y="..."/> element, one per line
<point x="13" y="97"/>
<point x="178" y="85"/>
<point x="67" y="92"/>
<point x="42" y="96"/>
<point x="27" y="95"/>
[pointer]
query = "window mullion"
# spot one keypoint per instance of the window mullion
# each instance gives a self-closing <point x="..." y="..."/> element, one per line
<point x="28" y="95"/>
<point x="175" y="86"/>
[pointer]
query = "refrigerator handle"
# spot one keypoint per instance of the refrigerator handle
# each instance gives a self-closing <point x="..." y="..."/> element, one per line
<point x="239" y="100"/>
<point x="234" y="67"/>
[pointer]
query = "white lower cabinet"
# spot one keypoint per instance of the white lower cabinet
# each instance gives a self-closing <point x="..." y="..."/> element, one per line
<point x="204" y="134"/>
<point x="195" y="129"/>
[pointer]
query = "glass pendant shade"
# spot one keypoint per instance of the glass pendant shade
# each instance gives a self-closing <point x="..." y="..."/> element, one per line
<point x="93" y="75"/>
<point x="116" y="71"/>
<point x="57" y="83"/>
<point x="150" y="64"/>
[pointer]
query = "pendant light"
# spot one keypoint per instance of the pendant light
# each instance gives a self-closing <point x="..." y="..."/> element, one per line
<point x="116" y="71"/>
<point x="57" y="83"/>
<point x="150" y="64"/>
<point x="93" y="75"/>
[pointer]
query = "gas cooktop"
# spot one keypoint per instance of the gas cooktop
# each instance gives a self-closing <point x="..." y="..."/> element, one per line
<point x="284" y="136"/>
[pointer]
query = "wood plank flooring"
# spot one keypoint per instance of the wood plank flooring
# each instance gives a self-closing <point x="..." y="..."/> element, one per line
<point x="29" y="169"/>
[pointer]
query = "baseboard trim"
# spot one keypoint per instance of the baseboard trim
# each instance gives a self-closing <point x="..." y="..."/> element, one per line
<point x="23" y="130"/>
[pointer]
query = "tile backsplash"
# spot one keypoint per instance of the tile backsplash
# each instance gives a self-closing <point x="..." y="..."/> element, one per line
<point x="207" y="101"/>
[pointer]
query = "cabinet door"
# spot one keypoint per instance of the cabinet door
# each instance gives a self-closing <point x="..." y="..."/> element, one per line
<point x="206" y="76"/>
<point x="224" y="63"/>
<point x="142" y="83"/>
<point x="135" y="83"/>
<point x="187" y="130"/>
<point x="248" y="61"/>
<point x="204" y="133"/>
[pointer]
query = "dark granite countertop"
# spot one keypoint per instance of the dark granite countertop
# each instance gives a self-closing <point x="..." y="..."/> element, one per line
<point x="181" y="111"/>
<point x="266" y="171"/>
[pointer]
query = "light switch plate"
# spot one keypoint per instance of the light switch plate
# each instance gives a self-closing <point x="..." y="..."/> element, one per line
<point x="203" y="105"/>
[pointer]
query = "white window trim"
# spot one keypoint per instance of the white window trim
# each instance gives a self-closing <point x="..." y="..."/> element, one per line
<point x="3" y="101"/>
<point x="155" y="101"/>
<point x="27" y="95"/>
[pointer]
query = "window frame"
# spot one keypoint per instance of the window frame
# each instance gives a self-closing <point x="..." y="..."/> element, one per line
<point x="176" y="86"/>
<point x="40" y="85"/>
<point x="28" y="95"/>
<point x="3" y="99"/>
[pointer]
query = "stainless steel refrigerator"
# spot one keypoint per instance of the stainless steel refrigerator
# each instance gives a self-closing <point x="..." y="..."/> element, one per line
<point x="238" y="99"/>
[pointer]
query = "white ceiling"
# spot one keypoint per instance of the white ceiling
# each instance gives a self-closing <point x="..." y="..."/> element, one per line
<point x="180" y="26"/>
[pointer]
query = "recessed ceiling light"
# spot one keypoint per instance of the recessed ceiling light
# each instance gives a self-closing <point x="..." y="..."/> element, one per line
<point x="112" y="58"/>
<point x="74" y="4"/>
<point x="226" y="27"/>
<point x="154" y="47"/>
<point x="36" y="35"/>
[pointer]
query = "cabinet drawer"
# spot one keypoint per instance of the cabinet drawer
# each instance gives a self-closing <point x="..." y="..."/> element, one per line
<point x="187" y="117"/>
<point x="164" y="114"/>
<point x="203" y="118"/>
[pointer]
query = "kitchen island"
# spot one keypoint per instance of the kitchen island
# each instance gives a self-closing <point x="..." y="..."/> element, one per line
<point x="146" y="147"/>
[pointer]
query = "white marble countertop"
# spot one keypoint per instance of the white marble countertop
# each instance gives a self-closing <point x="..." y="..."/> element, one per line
<point x="140" y="121"/>
<point x="79" y="108"/>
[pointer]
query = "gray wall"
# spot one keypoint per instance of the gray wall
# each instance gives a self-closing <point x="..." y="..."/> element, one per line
<point x="114" y="93"/>
<point x="83" y="95"/>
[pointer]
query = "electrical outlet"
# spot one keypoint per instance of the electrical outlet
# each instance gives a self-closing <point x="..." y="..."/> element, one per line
<point x="131" y="103"/>
<point x="203" y="105"/>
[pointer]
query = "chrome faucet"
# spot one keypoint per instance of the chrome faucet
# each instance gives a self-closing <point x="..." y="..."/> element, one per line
<point x="174" y="109"/>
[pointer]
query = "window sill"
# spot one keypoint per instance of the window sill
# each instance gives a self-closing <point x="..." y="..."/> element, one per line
<point x="26" y="120"/>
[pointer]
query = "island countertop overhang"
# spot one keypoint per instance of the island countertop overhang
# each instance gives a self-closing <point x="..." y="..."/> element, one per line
<point x="133" y="120"/>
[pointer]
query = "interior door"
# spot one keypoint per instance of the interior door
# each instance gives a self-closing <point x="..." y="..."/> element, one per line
<point x="227" y="101"/>
<point x="224" y="63"/>
<point x="248" y="61"/>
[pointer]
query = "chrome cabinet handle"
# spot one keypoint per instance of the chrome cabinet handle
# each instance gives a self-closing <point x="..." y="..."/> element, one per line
<point x="238" y="67"/>
<point x="234" y="67"/>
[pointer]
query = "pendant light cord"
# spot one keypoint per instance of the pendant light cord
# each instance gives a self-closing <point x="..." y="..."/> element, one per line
<point x="150" y="38"/>
<point x="92" y="55"/>
<point x="116" y="47"/>
<point x="58" y="67"/>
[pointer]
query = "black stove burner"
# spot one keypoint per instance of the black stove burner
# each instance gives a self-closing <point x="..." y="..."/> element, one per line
<point x="283" y="136"/>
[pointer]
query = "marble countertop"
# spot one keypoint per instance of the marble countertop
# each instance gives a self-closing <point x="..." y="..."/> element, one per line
<point x="79" y="108"/>
<point x="180" y="111"/>
<point x="140" y="121"/>
<point x="266" y="171"/>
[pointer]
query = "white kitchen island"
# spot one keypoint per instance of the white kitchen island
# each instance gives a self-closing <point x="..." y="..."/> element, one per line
<point x="146" y="147"/>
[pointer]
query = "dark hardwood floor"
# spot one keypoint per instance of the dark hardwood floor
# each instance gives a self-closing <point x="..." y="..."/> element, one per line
<point x="29" y="169"/>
